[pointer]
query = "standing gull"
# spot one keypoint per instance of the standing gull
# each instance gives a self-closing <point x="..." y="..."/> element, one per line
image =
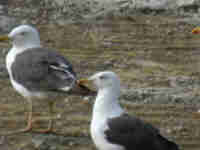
<point x="112" y="129"/>
<point x="36" y="71"/>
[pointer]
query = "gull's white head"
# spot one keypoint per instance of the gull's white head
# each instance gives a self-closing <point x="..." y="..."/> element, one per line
<point x="106" y="80"/>
<point x="106" y="103"/>
<point x="24" y="36"/>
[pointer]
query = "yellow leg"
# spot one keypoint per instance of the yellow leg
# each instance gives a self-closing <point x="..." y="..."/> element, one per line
<point x="30" y="116"/>
<point x="49" y="129"/>
<point x="29" y="123"/>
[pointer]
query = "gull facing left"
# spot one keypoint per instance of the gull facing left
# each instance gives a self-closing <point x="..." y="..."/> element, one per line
<point x="112" y="129"/>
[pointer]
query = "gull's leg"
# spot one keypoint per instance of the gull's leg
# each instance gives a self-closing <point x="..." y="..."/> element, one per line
<point x="49" y="129"/>
<point x="29" y="125"/>
<point x="30" y="116"/>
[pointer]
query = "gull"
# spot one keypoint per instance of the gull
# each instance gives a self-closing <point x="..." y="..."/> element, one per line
<point x="36" y="72"/>
<point x="113" y="129"/>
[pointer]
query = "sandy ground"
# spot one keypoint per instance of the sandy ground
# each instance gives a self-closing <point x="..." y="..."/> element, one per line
<point x="146" y="52"/>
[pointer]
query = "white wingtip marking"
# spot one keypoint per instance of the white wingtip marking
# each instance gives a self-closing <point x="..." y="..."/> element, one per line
<point x="66" y="88"/>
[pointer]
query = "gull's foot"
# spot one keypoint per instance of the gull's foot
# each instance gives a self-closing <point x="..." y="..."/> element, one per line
<point x="27" y="129"/>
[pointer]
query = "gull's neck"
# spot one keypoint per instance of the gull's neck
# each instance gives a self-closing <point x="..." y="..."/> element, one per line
<point x="17" y="49"/>
<point x="26" y="45"/>
<point x="107" y="104"/>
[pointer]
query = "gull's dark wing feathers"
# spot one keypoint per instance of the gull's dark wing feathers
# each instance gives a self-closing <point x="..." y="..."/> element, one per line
<point x="43" y="69"/>
<point x="133" y="133"/>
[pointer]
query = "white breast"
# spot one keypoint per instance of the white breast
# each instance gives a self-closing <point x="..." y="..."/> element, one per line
<point x="97" y="129"/>
<point x="10" y="58"/>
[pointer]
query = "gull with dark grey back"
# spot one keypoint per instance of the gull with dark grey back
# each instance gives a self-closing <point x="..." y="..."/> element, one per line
<point x="37" y="72"/>
<point x="112" y="128"/>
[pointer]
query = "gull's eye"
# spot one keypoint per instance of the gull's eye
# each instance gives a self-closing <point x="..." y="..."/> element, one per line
<point x="102" y="77"/>
<point x="23" y="33"/>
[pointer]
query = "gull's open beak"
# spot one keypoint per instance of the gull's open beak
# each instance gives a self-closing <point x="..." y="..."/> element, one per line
<point x="82" y="88"/>
<point x="196" y="30"/>
<point x="4" y="38"/>
<point x="86" y="83"/>
<point x="83" y="81"/>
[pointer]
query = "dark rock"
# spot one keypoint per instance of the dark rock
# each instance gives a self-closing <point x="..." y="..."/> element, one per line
<point x="7" y="23"/>
<point x="59" y="11"/>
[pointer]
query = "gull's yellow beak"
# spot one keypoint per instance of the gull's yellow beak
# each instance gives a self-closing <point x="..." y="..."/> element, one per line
<point x="196" y="30"/>
<point x="86" y="83"/>
<point x="4" y="38"/>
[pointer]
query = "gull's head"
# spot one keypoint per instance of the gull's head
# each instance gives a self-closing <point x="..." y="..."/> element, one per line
<point x="23" y="35"/>
<point x="103" y="80"/>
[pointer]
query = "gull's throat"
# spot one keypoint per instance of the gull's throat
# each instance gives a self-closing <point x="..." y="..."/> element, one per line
<point x="106" y="104"/>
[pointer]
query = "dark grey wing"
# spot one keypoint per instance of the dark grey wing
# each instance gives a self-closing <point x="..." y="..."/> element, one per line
<point x="43" y="69"/>
<point x="133" y="133"/>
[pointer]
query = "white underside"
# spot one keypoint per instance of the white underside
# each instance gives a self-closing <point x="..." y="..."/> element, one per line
<point x="97" y="132"/>
<point x="102" y="112"/>
<point x="18" y="87"/>
<point x="67" y="88"/>
<point x="26" y="93"/>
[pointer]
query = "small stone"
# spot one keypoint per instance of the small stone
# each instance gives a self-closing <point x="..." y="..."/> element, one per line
<point x="66" y="100"/>
<point x="59" y="116"/>
<point x="86" y="98"/>
<point x="2" y="139"/>
<point x="6" y="23"/>
<point x="1" y="7"/>
<point x="37" y="143"/>
<point x="53" y="148"/>
<point x="169" y="131"/>
<point x="60" y="2"/>
<point x="71" y="143"/>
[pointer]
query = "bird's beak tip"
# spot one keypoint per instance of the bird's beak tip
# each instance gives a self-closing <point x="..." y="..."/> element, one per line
<point x="196" y="30"/>
<point x="86" y="84"/>
<point x="4" y="38"/>
<point x="82" y="81"/>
